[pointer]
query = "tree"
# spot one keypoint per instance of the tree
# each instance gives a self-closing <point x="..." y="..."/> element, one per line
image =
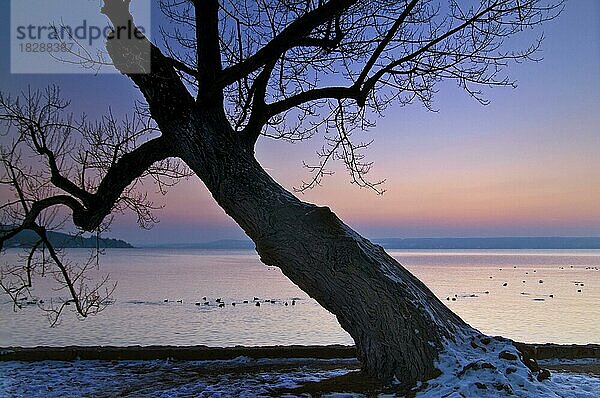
<point x="233" y="71"/>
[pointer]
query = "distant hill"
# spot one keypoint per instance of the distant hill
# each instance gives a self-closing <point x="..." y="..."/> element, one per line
<point x="58" y="239"/>
<point x="429" y="243"/>
<point x="491" y="243"/>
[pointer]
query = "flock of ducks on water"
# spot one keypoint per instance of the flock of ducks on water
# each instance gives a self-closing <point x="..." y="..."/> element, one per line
<point x="257" y="301"/>
<point x="505" y="284"/>
<point x="220" y="303"/>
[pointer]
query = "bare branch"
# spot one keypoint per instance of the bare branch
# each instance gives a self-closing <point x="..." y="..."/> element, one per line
<point x="294" y="34"/>
<point x="208" y="52"/>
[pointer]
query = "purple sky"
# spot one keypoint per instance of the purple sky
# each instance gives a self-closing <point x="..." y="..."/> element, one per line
<point x="527" y="164"/>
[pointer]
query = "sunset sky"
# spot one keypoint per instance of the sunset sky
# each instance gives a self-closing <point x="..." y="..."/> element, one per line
<point x="528" y="164"/>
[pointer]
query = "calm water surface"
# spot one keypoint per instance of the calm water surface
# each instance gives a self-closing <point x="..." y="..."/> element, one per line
<point x="522" y="310"/>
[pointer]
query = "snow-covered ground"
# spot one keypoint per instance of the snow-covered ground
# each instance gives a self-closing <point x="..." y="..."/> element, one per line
<point x="241" y="377"/>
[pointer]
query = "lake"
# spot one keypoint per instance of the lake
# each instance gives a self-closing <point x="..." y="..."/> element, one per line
<point x="522" y="310"/>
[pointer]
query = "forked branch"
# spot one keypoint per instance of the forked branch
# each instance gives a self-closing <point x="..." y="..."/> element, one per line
<point x="59" y="168"/>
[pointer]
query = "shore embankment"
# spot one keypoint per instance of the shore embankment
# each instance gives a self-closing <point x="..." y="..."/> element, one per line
<point x="188" y="353"/>
<point x="201" y="352"/>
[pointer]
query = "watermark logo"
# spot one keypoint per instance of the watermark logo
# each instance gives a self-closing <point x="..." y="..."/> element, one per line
<point x="70" y="36"/>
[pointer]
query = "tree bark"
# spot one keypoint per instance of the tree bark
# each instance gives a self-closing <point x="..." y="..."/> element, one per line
<point x="397" y="323"/>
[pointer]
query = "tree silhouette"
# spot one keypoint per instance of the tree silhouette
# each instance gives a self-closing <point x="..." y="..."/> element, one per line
<point x="230" y="72"/>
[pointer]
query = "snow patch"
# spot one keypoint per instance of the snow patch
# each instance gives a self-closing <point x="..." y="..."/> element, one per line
<point x="478" y="366"/>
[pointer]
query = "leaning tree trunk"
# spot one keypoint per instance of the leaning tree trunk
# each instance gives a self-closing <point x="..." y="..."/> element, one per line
<point x="401" y="330"/>
<point x="397" y="323"/>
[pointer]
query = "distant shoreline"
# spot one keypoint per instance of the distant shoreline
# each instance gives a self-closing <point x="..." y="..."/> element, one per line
<point x="26" y="239"/>
<point x="532" y="243"/>
<point x="488" y="243"/>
